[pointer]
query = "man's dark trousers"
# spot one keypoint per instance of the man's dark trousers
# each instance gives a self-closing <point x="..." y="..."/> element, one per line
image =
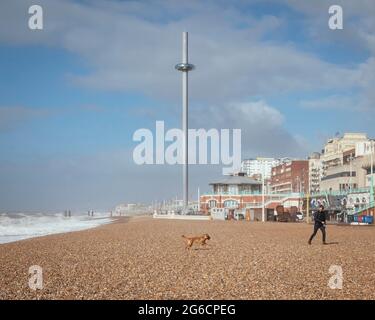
<point x="317" y="226"/>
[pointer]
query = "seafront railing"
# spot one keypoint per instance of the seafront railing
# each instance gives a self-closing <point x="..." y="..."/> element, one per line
<point x="294" y="194"/>
<point x="357" y="210"/>
<point x="251" y="193"/>
<point x="336" y="193"/>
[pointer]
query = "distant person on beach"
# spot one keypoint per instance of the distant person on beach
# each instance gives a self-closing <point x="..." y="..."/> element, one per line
<point x="320" y="223"/>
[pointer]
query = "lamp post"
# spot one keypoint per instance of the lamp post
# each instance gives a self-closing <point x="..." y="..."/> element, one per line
<point x="263" y="202"/>
<point x="350" y="172"/>
<point x="372" y="173"/>
<point x="199" y="200"/>
<point x="308" y="207"/>
<point x="185" y="67"/>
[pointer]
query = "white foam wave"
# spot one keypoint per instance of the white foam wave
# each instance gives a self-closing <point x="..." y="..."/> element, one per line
<point x="18" y="226"/>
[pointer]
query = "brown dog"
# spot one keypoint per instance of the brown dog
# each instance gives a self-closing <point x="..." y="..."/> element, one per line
<point x="198" y="239"/>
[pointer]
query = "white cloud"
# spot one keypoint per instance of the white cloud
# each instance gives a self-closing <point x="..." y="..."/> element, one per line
<point x="129" y="49"/>
<point x="264" y="131"/>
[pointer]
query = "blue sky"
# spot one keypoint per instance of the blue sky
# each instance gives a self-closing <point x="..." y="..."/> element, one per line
<point x="73" y="93"/>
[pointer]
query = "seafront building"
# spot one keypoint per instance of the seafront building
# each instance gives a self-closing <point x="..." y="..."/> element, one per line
<point x="315" y="172"/>
<point x="346" y="163"/>
<point x="339" y="178"/>
<point x="256" y="166"/>
<point x="126" y="209"/>
<point x="336" y="148"/>
<point x="347" y="175"/>
<point x="290" y="177"/>
<point x="242" y="194"/>
<point x="259" y="166"/>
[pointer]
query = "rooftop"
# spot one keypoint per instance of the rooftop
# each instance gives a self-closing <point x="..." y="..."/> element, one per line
<point x="236" y="180"/>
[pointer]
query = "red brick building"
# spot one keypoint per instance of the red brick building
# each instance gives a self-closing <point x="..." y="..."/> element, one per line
<point x="289" y="177"/>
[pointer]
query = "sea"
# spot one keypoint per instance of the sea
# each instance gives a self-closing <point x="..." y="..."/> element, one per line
<point x="19" y="226"/>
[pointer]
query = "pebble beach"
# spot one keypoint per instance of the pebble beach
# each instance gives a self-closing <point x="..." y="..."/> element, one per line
<point x="145" y="258"/>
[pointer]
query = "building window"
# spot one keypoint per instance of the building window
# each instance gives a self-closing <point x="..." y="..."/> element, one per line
<point x="231" y="204"/>
<point x="212" y="204"/>
<point x="233" y="189"/>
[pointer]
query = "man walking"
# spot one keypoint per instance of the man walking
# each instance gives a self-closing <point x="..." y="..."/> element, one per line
<point x="320" y="223"/>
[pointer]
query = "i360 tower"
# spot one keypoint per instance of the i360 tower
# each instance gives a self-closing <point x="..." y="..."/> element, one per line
<point x="185" y="67"/>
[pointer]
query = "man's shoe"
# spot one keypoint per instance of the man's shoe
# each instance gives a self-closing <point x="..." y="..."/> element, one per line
<point x="309" y="242"/>
<point x="325" y="243"/>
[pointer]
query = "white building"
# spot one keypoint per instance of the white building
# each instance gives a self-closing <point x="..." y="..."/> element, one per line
<point x="315" y="172"/>
<point x="364" y="148"/>
<point x="254" y="167"/>
<point x="336" y="147"/>
<point x="131" y="208"/>
<point x="346" y="161"/>
<point x="367" y="150"/>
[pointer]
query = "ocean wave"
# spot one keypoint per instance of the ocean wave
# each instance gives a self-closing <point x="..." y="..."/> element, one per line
<point x="17" y="226"/>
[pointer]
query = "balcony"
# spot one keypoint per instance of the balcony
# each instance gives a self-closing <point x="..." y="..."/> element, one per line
<point x="275" y="196"/>
<point x="337" y="192"/>
<point x="231" y="193"/>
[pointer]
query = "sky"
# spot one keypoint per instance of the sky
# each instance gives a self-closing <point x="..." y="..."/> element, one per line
<point x="73" y="94"/>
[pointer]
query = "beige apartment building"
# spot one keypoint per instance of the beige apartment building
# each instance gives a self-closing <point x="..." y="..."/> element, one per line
<point x="349" y="175"/>
<point x="368" y="159"/>
<point x="343" y="162"/>
<point x="334" y="149"/>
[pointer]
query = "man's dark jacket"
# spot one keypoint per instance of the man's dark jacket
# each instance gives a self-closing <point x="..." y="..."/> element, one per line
<point x="320" y="217"/>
